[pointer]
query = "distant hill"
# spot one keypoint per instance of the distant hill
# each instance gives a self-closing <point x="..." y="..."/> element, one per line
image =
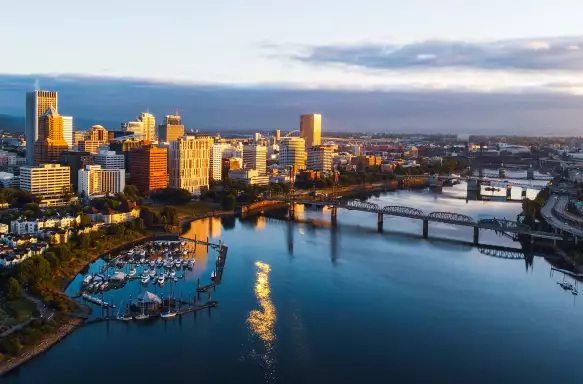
<point x="11" y="123"/>
<point x="16" y="124"/>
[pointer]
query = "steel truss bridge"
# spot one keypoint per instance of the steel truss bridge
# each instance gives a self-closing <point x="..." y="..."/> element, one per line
<point x="498" y="225"/>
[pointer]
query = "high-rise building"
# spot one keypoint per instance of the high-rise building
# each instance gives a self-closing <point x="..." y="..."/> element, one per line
<point x="96" y="181"/>
<point x="109" y="160"/>
<point x="311" y="129"/>
<point x="75" y="161"/>
<point x="320" y="158"/>
<point x="257" y="137"/>
<point x="148" y="167"/>
<point x="255" y="157"/>
<point x="277" y="135"/>
<point x="68" y="130"/>
<point x="218" y="151"/>
<point x="50" y="142"/>
<point x="95" y="137"/>
<point x="78" y="136"/>
<point x="292" y="152"/>
<point x="189" y="163"/>
<point x="37" y="102"/>
<point x="172" y="128"/>
<point x="51" y="181"/>
<point x="231" y="163"/>
<point x="149" y="125"/>
<point x="136" y="127"/>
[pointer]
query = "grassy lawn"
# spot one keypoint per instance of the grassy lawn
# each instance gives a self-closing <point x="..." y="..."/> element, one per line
<point x="19" y="309"/>
<point x="193" y="208"/>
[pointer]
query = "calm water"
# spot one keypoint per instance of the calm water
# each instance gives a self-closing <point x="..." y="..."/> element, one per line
<point x="304" y="304"/>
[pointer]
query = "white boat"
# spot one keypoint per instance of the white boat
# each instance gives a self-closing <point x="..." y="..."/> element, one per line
<point x="142" y="260"/>
<point x="145" y="279"/>
<point x="152" y="273"/>
<point x="104" y="286"/>
<point x="166" y="264"/>
<point x="87" y="279"/>
<point x="178" y="263"/>
<point x="160" y="262"/>
<point x="168" y="315"/>
<point x="144" y="274"/>
<point x="152" y="264"/>
<point x="161" y="279"/>
<point x="574" y="291"/>
<point x="172" y="273"/>
<point x="175" y="279"/>
<point x="142" y="316"/>
<point x="213" y="275"/>
<point x="132" y="273"/>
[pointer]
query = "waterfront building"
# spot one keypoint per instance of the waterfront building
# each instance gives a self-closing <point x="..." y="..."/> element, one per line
<point x="109" y="159"/>
<point x="95" y="137"/>
<point x="148" y="167"/>
<point x="292" y="153"/>
<point x="189" y="163"/>
<point x="51" y="181"/>
<point x="320" y="158"/>
<point x="149" y="125"/>
<point x="75" y="160"/>
<point x="172" y="128"/>
<point x="96" y="181"/>
<point x="218" y="151"/>
<point x="248" y="177"/>
<point x="68" y="130"/>
<point x="311" y="129"/>
<point x="37" y="102"/>
<point x="50" y="143"/>
<point x="255" y="157"/>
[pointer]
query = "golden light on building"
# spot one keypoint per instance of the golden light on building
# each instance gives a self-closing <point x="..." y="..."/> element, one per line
<point x="262" y="322"/>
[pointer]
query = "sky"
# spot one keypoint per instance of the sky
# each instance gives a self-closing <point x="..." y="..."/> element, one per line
<point x="515" y="47"/>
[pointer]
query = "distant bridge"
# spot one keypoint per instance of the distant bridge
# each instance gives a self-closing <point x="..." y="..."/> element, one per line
<point x="498" y="225"/>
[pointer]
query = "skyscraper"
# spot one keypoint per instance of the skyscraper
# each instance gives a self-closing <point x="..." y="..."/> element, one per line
<point x="311" y="129"/>
<point x="255" y="157"/>
<point x="95" y="137"/>
<point x="37" y="102"/>
<point x="50" y="181"/>
<point x="320" y="158"/>
<point x="68" y="130"/>
<point x="50" y="143"/>
<point x="148" y="167"/>
<point x="292" y="152"/>
<point x="172" y="128"/>
<point x="189" y="163"/>
<point x="218" y="150"/>
<point x="136" y="127"/>
<point x="277" y="135"/>
<point x="149" y="125"/>
<point x="96" y="181"/>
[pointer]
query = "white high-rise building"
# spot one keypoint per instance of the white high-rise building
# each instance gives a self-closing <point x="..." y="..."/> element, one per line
<point x="137" y="127"/>
<point x="320" y="158"/>
<point x="292" y="152"/>
<point x="218" y="151"/>
<point x="189" y="163"/>
<point x="96" y="181"/>
<point x="109" y="160"/>
<point x="149" y="125"/>
<point x="37" y="103"/>
<point x="50" y="181"/>
<point x="255" y="157"/>
<point x="68" y="130"/>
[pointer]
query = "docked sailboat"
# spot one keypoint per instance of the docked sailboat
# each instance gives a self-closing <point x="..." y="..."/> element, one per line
<point x="172" y="273"/>
<point x="145" y="279"/>
<point x="152" y="273"/>
<point x="132" y="273"/>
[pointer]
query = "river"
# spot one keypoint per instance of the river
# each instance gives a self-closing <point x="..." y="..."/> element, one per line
<point x="303" y="303"/>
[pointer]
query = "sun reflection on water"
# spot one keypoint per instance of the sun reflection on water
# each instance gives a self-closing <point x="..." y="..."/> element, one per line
<point x="262" y="321"/>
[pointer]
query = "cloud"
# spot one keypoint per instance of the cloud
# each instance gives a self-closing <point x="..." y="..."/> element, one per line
<point x="548" y="54"/>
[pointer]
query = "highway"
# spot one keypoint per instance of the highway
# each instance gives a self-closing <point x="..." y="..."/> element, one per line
<point x="554" y="204"/>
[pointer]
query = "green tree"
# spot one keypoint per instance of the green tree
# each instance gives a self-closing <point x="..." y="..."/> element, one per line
<point x="13" y="288"/>
<point x="52" y="258"/>
<point x="85" y="220"/>
<point x="228" y="202"/>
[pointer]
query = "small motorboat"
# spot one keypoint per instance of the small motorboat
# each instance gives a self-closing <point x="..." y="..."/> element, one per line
<point x="87" y="279"/>
<point x="175" y="278"/>
<point x="142" y="260"/>
<point x="574" y="291"/>
<point x="178" y="263"/>
<point x="168" y="315"/>
<point x="104" y="286"/>
<point x="132" y="273"/>
<point x="152" y="264"/>
<point x="142" y="316"/>
<point x="213" y="275"/>
<point x="152" y="273"/>
<point x="160" y="262"/>
<point x="172" y="273"/>
<point x="145" y="279"/>
<point x="161" y="279"/>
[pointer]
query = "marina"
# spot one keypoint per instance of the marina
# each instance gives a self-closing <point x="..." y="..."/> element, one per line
<point x="159" y="272"/>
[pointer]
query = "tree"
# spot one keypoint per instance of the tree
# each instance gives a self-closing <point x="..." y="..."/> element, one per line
<point x="85" y="241"/>
<point x="148" y="217"/>
<point x="228" y="202"/>
<point x="52" y="258"/>
<point x="85" y="220"/>
<point x="13" y="289"/>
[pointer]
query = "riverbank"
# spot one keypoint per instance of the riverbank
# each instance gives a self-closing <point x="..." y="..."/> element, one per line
<point x="45" y="344"/>
<point x="63" y="330"/>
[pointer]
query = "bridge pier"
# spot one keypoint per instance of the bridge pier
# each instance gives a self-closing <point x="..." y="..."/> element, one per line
<point x="425" y="228"/>
<point x="476" y="235"/>
<point x="334" y="216"/>
<point x="380" y="218"/>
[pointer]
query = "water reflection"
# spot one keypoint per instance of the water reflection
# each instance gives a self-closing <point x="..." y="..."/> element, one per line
<point x="262" y="322"/>
<point x="201" y="230"/>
